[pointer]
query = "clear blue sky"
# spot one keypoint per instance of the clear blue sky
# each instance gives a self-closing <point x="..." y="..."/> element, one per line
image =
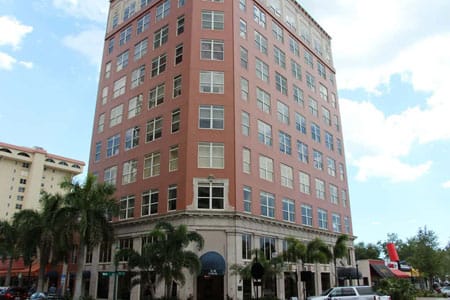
<point x="393" y="64"/>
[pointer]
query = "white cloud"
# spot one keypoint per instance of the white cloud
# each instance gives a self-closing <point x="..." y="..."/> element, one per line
<point x="12" y="31"/>
<point x="94" y="10"/>
<point x="6" y="61"/>
<point x="446" y="185"/>
<point x="89" y="43"/>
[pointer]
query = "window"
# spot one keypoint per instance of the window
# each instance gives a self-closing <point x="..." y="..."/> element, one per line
<point x="280" y="57"/>
<point x="21" y="189"/>
<point x="285" y="142"/>
<point x="281" y="83"/>
<point x="137" y="76"/>
<point x="331" y="166"/>
<point x="152" y="164"/>
<point x="211" y="49"/>
<point x="172" y="197"/>
<point x="294" y="46"/>
<point x="173" y="158"/>
<point x="259" y="16"/>
<point x="178" y="54"/>
<point x="101" y="123"/>
<point x="321" y="70"/>
<point x="336" y="223"/>
<point x="180" y="25"/>
<point x="211" y="82"/>
<point x="282" y="112"/>
<point x="126" y="207"/>
<point x="308" y="59"/>
<point x="267" y="201"/>
<point x="107" y="69"/>
<point x="143" y="23"/>
<point x="334" y="198"/>
<point x="211" y="155"/>
<point x="246" y="246"/>
<point x="322" y="217"/>
<point x="339" y="146"/>
<point x="320" y="189"/>
<point x="329" y="140"/>
<point x="242" y="29"/>
<point x="129" y="171"/>
<point x="323" y="92"/>
<point x="265" y="168"/>
<point x="264" y="133"/>
<point x="296" y="70"/>
<point x="176" y="86"/>
<point x="210" y="195"/>
<point x="300" y="123"/>
<point x="244" y="89"/>
<point x="140" y="49"/>
<point x="288" y="210"/>
<point x="315" y="132"/>
<point x="150" y="201"/>
<point x="175" y="125"/>
<point x="129" y="10"/>
<point x="159" y="64"/>
<point x="298" y="95"/>
<point x="119" y="87"/>
<point x="247" y="191"/>
<point x="287" y="176"/>
<point x="302" y="152"/>
<point x="110" y="175"/>
<point x="313" y="108"/>
<point x="105" y="95"/>
<point x="344" y="198"/>
<point x="154" y="129"/>
<point x="105" y="253"/>
<point x="132" y="138"/>
<point x="326" y="116"/>
<point x="304" y="183"/>
<point x="98" y="151"/>
<point x="156" y="96"/>
<point x="246" y="160"/>
<point x="318" y="160"/>
<point x="160" y="37"/>
<point x="306" y="215"/>
<point x="244" y="57"/>
<point x="211" y="117"/>
<point x="213" y="20"/>
<point x="267" y="246"/>
<point x="110" y="45"/>
<point x="333" y="100"/>
<point x="245" y="123"/>
<point x="277" y="32"/>
<point x="263" y="100"/>
<point x="181" y="3"/>
<point x="115" y="20"/>
<point x="135" y="106"/>
<point x="122" y="61"/>
<point x="116" y="115"/>
<point x="261" y="42"/>
<point x="163" y="10"/>
<point x="262" y="70"/>
<point x="242" y="5"/>
<point x="347" y="225"/>
<point x="341" y="172"/>
<point x="125" y="35"/>
<point x="336" y="122"/>
<point x="310" y="82"/>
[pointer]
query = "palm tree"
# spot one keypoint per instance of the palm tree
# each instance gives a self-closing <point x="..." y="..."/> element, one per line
<point x="86" y="208"/>
<point x="295" y="253"/>
<point x="318" y="252"/>
<point x="339" y="251"/>
<point x="9" y="246"/>
<point x="44" y="231"/>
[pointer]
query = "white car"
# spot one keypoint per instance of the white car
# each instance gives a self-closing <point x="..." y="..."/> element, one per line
<point x="350" y="293"/>
<point x="446" y="290"/>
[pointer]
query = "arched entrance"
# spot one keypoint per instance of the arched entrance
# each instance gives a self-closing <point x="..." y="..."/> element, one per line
<point x="210" y="282"/>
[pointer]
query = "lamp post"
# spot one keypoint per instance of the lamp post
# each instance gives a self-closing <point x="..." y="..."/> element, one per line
<point x="357" y="274"/>
<point x="116" y="265"/>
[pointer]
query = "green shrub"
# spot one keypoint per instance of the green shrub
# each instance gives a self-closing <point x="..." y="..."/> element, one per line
<point x="398" y="289"/>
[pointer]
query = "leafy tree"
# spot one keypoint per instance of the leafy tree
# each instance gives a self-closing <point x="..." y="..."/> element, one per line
<point x="339" y="251"/>
<point x="87" y="207"/>
<point x="398" y="289"/>
<point x="9" y="246"/>
<point x="369" y="251"/>
<point x="318" y="252"/>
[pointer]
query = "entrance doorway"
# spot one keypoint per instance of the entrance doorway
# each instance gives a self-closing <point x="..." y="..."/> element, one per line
<point x="210" y="287"/>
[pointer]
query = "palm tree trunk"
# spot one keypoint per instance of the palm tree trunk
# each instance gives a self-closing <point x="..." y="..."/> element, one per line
<point x="8" y="274"/>
<point x="79" y="276"/>
<point x="43" y="259"/>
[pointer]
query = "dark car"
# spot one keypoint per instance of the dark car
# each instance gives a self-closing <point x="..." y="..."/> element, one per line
<point x="14" y="293"/>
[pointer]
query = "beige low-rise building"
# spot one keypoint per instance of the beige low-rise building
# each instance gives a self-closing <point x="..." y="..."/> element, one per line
<point x="25" y="172"/>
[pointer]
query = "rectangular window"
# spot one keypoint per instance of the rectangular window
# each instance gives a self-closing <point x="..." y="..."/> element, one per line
<point x="119" y="87"/>
<point x="212" y="20"/>
<point x="334" y="194"/>
<point x="263" y="100"/>
<point x="172" y="195"/>
<point x="304" y="183"/>
<point x="110" y="175"/>
<point x="211" y="195"/>
<point x="282" y="112"/>
<point x="246" y="161"/>
<point x="244" y="57"/>
<point x="132" y="138"/>
<point x="279" y="56"/>
<point x="160" y="37"/>
<point x="339" y="146"/>
<point x="159" y="64"/>
<point x="129" y="171"/>
<point x="110" y="45"/>
<point x="173" y="158"/>
<point x="331" y="166"/>
<point x="154" y="129"/>
<point x="300" y="123"/>
<point x="116" y="115"/>
<point x="341" y="172"/>
<point x="211" y="117"/>
<point x="336" y="123"/>
<point x="140" y="49"/>
<point x="315" y="132"/>
<point x="281" y="83"/>
<point x="287" y="176"/>
<point x="288" y="210"/>
<point x="176" y="119"/>
<point x="211" y="49"/>
<point x="98" y="151"/>
<point x="244" y="89"/>
<point x="318" y="160"/>
<point x="105" y="253"/>
<point x="261" y="42"/>
<point x="321" y="70"/>
<point x="337" y="223"/>
<point x="242" y="29"/>
<point x="122" y="61"/>
<point x="135" y="106"/>
<point x="211" y="155"/>
<point x="264" y="133"/>
<point x="294" y="46"/>
<point x="137" y="76"/>
<point x="313" y="108"/>
<point x="180" y="25"/>
<point x="323" y="92"/>
<point x="247" y="195"/>
<point x="107" y="69"/>
<point x="242" y="5"/>
<point x="302" y="150"/>
<point x="308" y="59"/>
<point x="277" y="32"/>
<point x="126" y="207"/>
<point x="306" y="215"/>
<point x="129" y="10"/>
<point x="156" y="96"/>
<point x="246" y="246"/>
<point x="104" y="95"/>
<point x="347" y="225"/>
<point x="178" y="54"/>
<point x="285" y="142"/>
<point x="298" y="95"/>
<point x="326" y="116"/>
<point x="344" y="198"/>
<point x="259" y="16"/>
<point x="262" y="70"/>
<point x="267" y="201"/>
<point x="176" y="86"/>
<point x="310" y="82"/>
<point x="150" y="201"/>
<point x="125" y="35"/>
<point x="296" y="70"/>
<point x="245" y="123"/>
<point x="267" y="246"/>
<point x="320" y="189"/>
<point x="211" y="82"/>
<point x="163" y="10"/>
<point x="266" y="168"/>
<point x="152" y="164"/>
<point x="143" y="23"/>
<point x="322" y="217"/>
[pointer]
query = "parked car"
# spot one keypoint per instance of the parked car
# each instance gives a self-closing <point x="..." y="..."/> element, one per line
<point x="350" y="293"/>
<point x="446" y="291"/>
<point x="14" y="293"/>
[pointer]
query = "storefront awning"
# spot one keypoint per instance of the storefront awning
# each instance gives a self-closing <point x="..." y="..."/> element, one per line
<point x="348" y="273"/>
<point x="212" y="263"/>
<point x="400" y="274"/>
<point x="382" y="270"/>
